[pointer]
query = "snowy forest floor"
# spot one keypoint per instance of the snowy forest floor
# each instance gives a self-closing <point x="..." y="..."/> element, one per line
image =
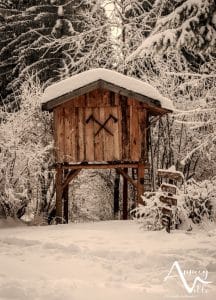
<point x="104" y="260"/>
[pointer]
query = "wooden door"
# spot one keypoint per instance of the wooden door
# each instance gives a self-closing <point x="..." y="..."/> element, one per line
<point x="102" y="127"/>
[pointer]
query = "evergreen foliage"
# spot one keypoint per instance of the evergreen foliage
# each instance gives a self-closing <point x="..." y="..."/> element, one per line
<point x="52" y="39"/>
<point x="188" y="26"/>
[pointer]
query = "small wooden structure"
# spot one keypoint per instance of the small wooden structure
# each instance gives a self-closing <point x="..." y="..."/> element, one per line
<point x="101" y="121"/>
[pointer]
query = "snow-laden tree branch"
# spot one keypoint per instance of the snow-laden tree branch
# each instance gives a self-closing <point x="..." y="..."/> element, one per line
<point x="25" y="153"/>
<point x="49" y="38"/>
<point x="191" y="25"/>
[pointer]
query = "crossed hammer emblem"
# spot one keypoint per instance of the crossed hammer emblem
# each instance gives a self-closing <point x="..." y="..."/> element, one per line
<point x="102" y="125"/>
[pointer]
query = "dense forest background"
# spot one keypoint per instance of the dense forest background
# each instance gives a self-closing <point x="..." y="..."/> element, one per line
<point x="170" y="44"/>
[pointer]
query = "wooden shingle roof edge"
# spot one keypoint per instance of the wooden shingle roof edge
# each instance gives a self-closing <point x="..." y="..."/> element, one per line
<point x="151" y="104"/>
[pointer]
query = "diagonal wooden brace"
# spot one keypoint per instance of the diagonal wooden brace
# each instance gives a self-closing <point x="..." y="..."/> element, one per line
<point x="126" y="176"/>
<point x="70" y="177"/>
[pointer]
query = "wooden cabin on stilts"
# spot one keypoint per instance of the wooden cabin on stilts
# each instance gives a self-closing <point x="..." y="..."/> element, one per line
<point x="101" y="120"/>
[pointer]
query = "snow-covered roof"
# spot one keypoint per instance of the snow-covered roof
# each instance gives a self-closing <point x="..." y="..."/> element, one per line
<point x="76" y="82"/>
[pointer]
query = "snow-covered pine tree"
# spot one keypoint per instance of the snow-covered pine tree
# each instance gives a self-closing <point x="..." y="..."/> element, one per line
<point x="52" y="38"/>
<point x="17" y="32"/>
<point x="89" y="45"/>
<point x="141" y="19"/>
<point x="187" y="25"/>
<point x="132" y="21"/>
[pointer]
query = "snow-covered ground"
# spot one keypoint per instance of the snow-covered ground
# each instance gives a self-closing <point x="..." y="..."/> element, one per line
<point x="101" y="261"/>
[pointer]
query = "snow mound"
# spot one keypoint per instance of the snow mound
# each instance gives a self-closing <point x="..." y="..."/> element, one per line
<point x="11" y="222"/>
<point x="77" y="81"/>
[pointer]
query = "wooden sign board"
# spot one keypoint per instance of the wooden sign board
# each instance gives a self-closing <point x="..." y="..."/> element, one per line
<point x="166" y="211"/>
<point x="170" y="175"/>
<point x="168" y="200"/>
<point x="168" y="188"/>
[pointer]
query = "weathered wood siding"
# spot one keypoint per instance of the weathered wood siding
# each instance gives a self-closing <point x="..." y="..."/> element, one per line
<point x="100" y="126"/>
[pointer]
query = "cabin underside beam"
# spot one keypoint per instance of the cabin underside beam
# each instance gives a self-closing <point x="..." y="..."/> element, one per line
<point x="97" y="166"/>
<point x="65" y="173"/>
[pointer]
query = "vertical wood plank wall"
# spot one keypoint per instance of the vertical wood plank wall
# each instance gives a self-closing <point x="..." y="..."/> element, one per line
<point x="77" y="135"/>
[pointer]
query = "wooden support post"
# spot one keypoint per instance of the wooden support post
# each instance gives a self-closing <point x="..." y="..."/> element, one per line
<point x="125" y="195"/>
<point x="140" y="183"/>
<point x="65" y="199"/>
<point x="116" y="194"/>
<point x="68" y="177"/>
<point x="59" y="192"/>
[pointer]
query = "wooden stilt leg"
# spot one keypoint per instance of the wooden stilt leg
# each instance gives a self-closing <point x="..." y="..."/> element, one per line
<point x="125" y="196"/>
<point x="116" y="194"/>
<point x="59" y="191"/>
<point x="65" y="199"/>
<point x="140" y="183"/>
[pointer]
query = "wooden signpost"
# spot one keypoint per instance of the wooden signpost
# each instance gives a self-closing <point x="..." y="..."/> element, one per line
<point x="169" y="199"/>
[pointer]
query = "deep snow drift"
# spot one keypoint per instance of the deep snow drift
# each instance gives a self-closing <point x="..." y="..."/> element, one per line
<point x="101" y="261"/>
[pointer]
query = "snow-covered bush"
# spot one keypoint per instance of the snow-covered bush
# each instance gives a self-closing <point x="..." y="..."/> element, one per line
<point x="195" y="204"/>
<point x="200" y="200"/>
<point x="151" y="214"/>
<point x="25" y="152"/>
